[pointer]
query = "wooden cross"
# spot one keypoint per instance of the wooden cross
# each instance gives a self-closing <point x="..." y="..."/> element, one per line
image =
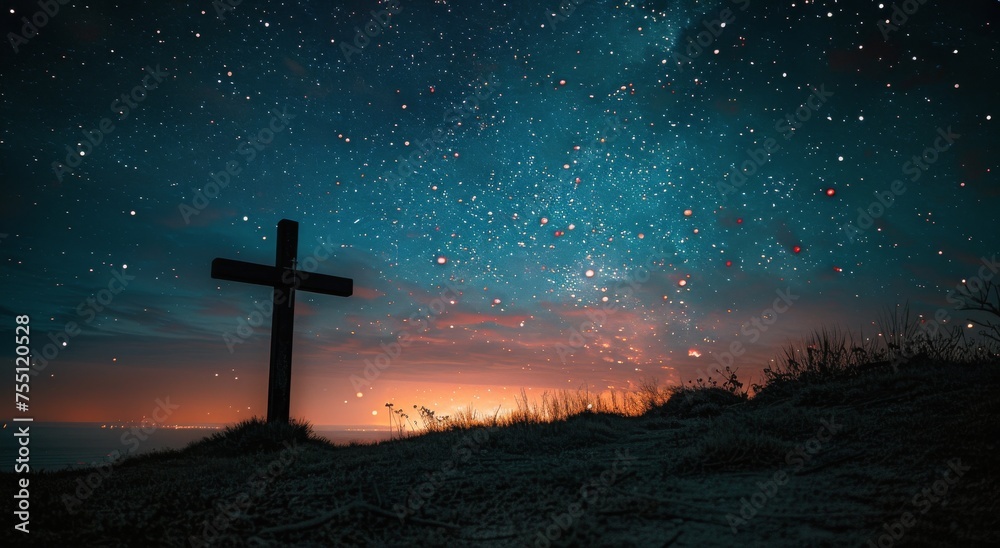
<point x="285" y="278"/>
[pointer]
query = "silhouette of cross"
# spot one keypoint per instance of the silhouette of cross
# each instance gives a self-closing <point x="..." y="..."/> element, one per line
<point x="285" y="278"/>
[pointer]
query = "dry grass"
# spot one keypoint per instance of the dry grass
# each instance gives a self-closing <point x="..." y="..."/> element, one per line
<point x="549" y="407"/>
<point x="902" y="338"/>
<point x="254" y="435"/>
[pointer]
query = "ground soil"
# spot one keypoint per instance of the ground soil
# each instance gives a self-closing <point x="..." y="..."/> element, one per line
<point x="836" y="463"/>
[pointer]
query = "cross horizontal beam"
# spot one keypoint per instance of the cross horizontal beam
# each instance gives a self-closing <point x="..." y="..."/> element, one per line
<point x="252" y="273"/>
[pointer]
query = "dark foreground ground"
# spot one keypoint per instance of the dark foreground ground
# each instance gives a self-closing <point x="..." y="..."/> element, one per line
<point x="853" y="462"/>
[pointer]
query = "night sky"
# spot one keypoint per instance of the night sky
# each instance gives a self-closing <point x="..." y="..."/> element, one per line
<point x="525" y="198"/>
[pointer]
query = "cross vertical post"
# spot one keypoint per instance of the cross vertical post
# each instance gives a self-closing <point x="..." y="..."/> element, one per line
<point x="279" y="384"/>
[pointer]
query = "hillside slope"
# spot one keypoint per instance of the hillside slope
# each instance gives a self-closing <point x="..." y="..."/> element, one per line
<point x="910" y="454"/>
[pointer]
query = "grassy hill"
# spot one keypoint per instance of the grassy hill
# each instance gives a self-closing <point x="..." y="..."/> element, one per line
<point x="812" y="460"/>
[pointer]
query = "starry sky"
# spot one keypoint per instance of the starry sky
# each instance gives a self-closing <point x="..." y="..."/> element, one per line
<point x="526" y="196"/>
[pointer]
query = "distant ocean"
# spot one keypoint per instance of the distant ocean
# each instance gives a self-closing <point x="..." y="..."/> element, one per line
<point x="58" y="446"/>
